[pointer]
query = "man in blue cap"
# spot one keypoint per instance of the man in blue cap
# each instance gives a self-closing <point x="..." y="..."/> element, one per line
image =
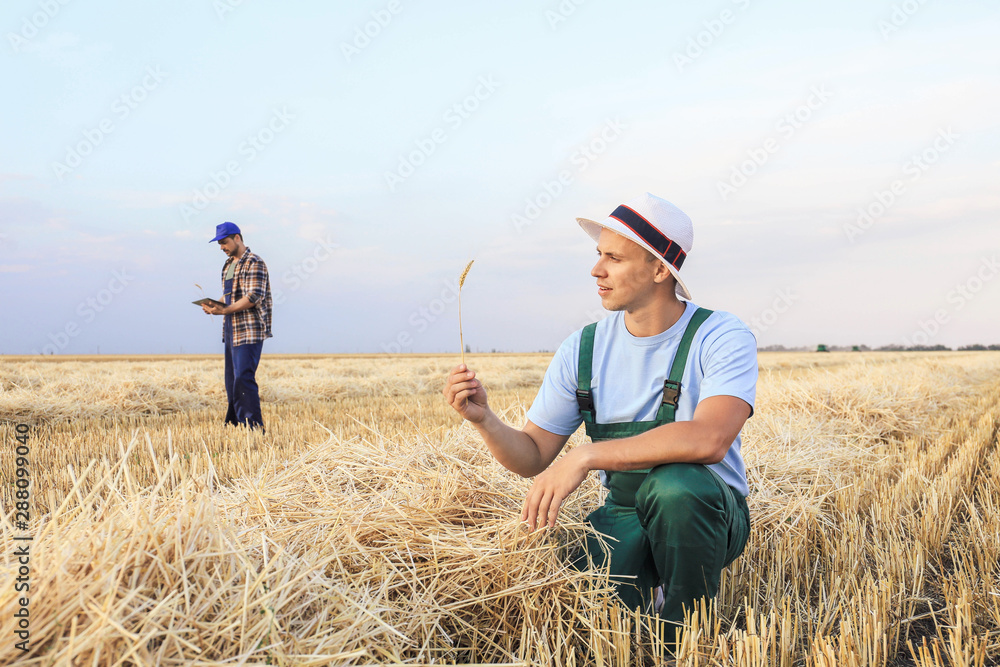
<point x="247" y="322"/>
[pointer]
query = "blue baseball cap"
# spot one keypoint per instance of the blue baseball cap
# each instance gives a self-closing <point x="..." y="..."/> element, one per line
<point x="224" y="230"/>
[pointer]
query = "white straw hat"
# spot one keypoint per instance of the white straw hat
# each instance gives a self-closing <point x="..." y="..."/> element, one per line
<point x="656" y="225"/>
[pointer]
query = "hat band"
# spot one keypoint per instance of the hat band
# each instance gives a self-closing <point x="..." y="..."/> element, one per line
<point x="670" y="251"/>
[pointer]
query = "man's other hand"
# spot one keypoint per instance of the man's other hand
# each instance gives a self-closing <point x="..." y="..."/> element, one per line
<point x="212" y="309"/>
<point x="552" y="487"/>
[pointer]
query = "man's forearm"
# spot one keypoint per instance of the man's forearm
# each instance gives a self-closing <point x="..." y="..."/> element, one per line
<point x="512" y="448"/>
<point x="243" y="304"/>
<point x="705" y="439"/>
<point x="679" y="442"/>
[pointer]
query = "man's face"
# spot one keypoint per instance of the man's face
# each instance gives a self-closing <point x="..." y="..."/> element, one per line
<point x="625" y="272"/>
<point x="230" y="245"/>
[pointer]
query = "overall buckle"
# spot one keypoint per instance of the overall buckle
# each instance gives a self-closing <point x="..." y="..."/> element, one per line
<point x="671" y="392"/>
<point x="585" y="400"/>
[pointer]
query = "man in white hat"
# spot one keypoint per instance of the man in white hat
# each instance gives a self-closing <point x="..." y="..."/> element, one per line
<point x="663" y="388"/>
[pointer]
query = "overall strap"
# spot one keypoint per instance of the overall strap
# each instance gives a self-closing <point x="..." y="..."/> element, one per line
<point x="585" y="369"/>
<point x="672" y="385"/>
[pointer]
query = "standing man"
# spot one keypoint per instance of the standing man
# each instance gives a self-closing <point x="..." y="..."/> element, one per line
<point x="663" y="388"/>
<point x="246" y="323"/>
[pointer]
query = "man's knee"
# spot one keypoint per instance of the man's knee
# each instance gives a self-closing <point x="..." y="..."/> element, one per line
<point x="244" y="368"/>
<point x="246" y="378"/>
<point x="675" y="483"/>
<point x="679" y="491"/>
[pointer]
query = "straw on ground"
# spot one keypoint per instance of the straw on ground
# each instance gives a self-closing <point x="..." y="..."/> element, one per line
<point x="370" y="526"/>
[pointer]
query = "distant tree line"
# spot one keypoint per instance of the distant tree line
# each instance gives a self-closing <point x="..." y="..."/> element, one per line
<point x="885" y="348"/>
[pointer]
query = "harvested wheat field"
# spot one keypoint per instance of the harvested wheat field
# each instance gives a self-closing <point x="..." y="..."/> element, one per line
<point x="370" y="527"/>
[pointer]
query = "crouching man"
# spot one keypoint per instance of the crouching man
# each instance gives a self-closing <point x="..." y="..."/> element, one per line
<point x="663" y="388"/>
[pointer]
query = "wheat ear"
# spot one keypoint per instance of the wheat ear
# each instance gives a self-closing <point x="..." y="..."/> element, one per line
<point x="461" y="281"/>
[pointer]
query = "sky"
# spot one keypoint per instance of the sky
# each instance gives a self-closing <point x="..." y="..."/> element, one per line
<point x="839" y="161"/>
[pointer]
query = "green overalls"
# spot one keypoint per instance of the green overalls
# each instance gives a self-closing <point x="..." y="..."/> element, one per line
<point x="677" y="524"/>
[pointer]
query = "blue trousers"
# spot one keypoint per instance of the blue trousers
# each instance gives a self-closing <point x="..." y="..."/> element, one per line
<point x="241" y="385"/>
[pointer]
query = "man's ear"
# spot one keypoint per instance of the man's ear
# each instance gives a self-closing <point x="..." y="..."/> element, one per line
<point x="662" y="273"/>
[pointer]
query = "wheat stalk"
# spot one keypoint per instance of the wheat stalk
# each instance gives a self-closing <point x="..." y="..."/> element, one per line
<point x="203" y="296"/>
<point x="461" y="281"/>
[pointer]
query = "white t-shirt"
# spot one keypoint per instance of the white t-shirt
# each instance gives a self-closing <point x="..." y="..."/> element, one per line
<point x="628" y="374"/>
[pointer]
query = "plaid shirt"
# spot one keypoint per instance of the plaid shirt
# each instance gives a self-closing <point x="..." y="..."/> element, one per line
<point x="252" y="325"/>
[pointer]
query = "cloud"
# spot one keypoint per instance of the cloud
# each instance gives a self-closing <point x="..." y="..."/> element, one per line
<point x="285" y="210"/>
<point x="16" y="177"/>
<point x="310" y="231"/>
<point x="65" y="50"/>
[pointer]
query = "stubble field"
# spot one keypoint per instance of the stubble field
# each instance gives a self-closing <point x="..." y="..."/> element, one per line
<point x="369" y="526"/>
